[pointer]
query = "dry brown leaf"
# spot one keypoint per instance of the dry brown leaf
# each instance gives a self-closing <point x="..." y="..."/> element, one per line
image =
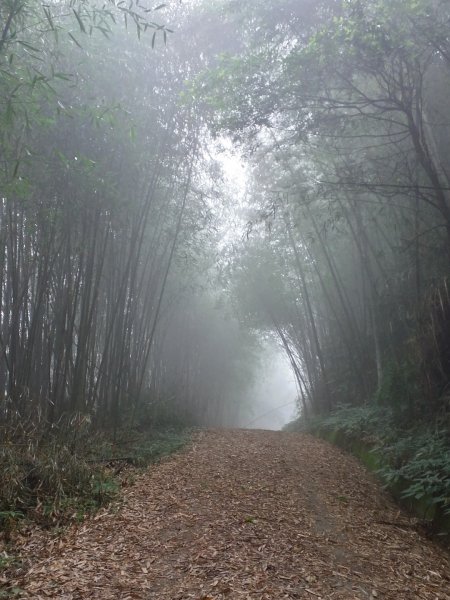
<point x="240" y="515"/>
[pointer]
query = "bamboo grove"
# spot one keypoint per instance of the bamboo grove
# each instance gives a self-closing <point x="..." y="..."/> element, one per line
<point x="118" y="284"/>
<point x="342" y="109"/>
<point x="107" y="234"/>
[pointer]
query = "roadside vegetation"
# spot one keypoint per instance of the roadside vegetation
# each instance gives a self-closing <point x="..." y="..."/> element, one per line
<point x="403" y="431"/>
<point x="341" y="109"/>
<point x="64" y="476"/>
<point x="136" y="280"/>
<point x="115" y="335"/>
<point x="412" y="461"/>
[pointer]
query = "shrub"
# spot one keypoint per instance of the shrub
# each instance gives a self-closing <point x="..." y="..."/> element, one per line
<point x="356" y="421"/>
<point x="400" y="391"/>
<point x="422" y="462"/>
<point x="417" y="457"/>
<point x="71" y="472"/>
<point x="51" y="481"/>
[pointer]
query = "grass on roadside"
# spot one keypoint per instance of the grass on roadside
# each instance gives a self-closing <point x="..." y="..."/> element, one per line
<point x="417" y="456"/>
<point x="54" y="483"/>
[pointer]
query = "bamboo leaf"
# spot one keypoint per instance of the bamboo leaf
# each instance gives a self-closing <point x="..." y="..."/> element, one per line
<point x="75" y="40"/>
<point x="16" y="168"/>
<point x="80" y="22"/>
<point x="9" y="114"/>
<point x="104" y="31"/>
<point x="48" y="17"/>
<point x="64" y="76"/>
<point x="29" y="46"/>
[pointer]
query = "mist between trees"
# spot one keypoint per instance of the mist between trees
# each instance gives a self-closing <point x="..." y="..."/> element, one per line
<point x="342" y="109"/>
<point x="125" y="298"/>
<point x="108" y="228"/>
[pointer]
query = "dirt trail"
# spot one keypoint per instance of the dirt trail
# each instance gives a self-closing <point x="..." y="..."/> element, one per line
<point x="244" y="515"/>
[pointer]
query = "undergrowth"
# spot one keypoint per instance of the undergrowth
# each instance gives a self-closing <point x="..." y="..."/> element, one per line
<point x="60" y="477"/>
<point x="66" y="477"/>
<point x="140" y="448"/>
<point x="417" y="456"/>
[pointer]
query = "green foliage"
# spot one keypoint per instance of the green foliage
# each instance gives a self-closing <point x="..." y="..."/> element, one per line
<point x="164" y="415"/>
<point x="55" y="483"/>
<point x="250" y="520"/>
<point x="334" y="116"/>
<point x="417" y="458"/>
<point x="36" y="39"/>
<point x="14" y="592"/>
<point x="160" y="445"/>
<point x="5" y="561"/>
<point x="5" y="515"/>
<point x="355" y="421"/>
<point x="400" y="390"/>
<point x="149" y="446"/>
<point x="53" y="479"/>
<point x="9" y="523"/>
<point x="421" y="460"/>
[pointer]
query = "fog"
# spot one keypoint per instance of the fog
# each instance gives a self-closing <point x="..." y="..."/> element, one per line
<point x="273" y="395"/>
<point x="174" y="191"/>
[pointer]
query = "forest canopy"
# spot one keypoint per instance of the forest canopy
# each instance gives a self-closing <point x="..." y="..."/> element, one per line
<point x="108" y="226"/>
<point x="342" y="109"/>
<point x="138" y="283"/>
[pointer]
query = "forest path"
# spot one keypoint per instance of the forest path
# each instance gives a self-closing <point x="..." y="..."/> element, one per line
<point x="244" y="515"/>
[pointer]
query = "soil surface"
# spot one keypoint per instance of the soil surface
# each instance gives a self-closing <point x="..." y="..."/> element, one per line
<point x="242" y="515"/>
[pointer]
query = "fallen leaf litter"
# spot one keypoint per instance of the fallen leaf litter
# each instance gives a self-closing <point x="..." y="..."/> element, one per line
<point x="251" y="515"/>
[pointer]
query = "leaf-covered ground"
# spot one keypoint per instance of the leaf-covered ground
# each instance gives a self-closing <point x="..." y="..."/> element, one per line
<point x="242" y="515"/>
